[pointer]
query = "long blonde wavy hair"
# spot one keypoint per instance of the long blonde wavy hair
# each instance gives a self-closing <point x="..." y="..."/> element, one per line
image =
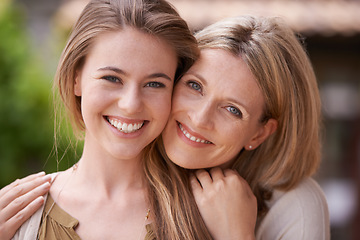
<point x="160" y="19"/>
<point x="276" y="57"/>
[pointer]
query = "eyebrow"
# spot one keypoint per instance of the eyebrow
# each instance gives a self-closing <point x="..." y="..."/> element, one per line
<point x="119" y="71"/>
<point x="244" y="105"/>
<point x="203" y="80"/>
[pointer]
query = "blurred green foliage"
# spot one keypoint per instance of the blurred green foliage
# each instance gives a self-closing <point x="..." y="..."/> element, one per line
<point x="26" y="110"/>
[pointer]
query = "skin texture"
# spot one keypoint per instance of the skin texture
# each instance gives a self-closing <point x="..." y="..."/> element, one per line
<point x="200" y="131"/>
<point x="215" y="190"/>
<point x="220" y="196"/>
<point x="219" y="105"/>
<point x="19" y="200"/>
<point x="114" y="85"/>
<point x="217" y="101"/>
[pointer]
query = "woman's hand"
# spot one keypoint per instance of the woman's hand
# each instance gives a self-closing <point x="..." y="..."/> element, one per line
<point x="226" y="203"/>
<point x="19" y="200"/>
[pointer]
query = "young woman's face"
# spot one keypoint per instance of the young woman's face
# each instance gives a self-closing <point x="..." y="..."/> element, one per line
<point x="125" y="87"/>
<point x="216" y="111"/>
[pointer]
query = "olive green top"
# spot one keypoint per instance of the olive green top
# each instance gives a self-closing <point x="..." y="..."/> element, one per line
<point x="58" y="224"/>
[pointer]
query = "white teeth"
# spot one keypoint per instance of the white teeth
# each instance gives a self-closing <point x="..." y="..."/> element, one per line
<point x="124" y="127"/>
<point x="192" y="138"/>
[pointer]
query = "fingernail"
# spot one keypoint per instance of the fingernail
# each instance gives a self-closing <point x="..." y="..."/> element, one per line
<point x="46" y="185"/>
<point x="40" y="173"/>
<point x="46" y="178"/>
<point x="39" y="200"/>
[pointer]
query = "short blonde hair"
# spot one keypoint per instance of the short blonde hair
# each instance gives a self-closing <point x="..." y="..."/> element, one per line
<point x="157" y="18"/>
<point x="285" y="75"/>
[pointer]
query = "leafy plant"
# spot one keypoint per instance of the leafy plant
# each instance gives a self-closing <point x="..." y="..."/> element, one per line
<point x="26" y="110"/>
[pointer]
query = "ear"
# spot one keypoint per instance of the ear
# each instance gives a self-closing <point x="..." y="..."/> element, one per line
<point x="77" y="84"/>
<point x="264" y="132"/>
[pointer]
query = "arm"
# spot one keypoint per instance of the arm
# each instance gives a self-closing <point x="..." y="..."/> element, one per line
<point x="226" y="204"/>
<point x="300" y="213"/>
<point x="19" y="200"/>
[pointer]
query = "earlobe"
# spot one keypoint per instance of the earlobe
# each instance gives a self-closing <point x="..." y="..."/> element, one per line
<point x="268" y="129"/>
<point x="77" y="85"/>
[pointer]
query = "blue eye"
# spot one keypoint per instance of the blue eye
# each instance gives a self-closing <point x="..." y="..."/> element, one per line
<point x="155" y="85"/>
<point x="235" y="111"/>
<point x="112" y="79"/>
<point x="194" y="85"/>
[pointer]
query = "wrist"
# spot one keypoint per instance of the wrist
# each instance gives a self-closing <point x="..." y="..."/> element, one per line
<point x="247" y="236"/>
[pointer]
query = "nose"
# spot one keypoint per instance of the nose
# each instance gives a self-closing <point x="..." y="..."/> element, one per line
<point x="131" y="100"/>
<point x="202" y="113"/>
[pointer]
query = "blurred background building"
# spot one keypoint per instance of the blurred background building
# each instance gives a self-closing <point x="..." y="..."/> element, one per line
<point x="332" y="37"/>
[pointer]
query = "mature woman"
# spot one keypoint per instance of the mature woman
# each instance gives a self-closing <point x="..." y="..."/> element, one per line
<point x="251" y="103"/>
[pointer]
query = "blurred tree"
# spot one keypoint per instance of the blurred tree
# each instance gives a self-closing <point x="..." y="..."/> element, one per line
<point x="26" y="111"/>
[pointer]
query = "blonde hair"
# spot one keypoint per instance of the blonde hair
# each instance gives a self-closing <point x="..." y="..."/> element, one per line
<point x="284" y="73"/>
<point x="160" y="19"/>
<point x="157" y="18"/>
<point x="178" y="216"/>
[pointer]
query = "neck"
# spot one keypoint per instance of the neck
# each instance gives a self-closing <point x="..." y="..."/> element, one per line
<point x="108" y="175"/>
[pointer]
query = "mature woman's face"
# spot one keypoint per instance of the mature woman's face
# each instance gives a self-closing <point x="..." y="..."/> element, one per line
<point x="216" y="110"/>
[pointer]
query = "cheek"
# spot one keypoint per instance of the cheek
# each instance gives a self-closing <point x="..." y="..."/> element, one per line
<point x="234" y="136"/>
<point x="162" y="106"/>
<point x="180" y="100"/>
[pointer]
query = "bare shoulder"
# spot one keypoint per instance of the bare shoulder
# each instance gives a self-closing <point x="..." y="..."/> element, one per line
<point x="301" y="213"/>
<point x="58" y="181"/>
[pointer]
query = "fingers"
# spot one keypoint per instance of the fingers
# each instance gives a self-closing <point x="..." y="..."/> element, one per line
<point x="19" y="218"/>
<point x="19" y="200"/>
<point x="203" y="177"/>
<point x="225" y="202"/>
<point x="200" y="180"/>
<point x="229" y="172"/>
<point x="216" y="174"/>
<point x="9" y="228"/>
<point x="195" y="185"/>
<point x="17" y="182"/>
<point x="21" y="187"/>
<point x="20" y="203"/>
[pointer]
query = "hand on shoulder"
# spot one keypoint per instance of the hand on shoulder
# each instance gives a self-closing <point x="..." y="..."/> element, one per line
<point x="19" y="200"/>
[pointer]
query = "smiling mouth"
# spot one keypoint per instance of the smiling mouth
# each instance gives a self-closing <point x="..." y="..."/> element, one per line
<point x="125" y="127"/>
<point x="191" y="137"/>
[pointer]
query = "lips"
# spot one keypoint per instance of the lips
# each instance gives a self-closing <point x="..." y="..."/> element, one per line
<point x="191" y="137"/>
<point x="125" y="127"/>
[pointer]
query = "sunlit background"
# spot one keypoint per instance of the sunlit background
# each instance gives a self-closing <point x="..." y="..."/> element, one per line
<point x="33" y="32"/>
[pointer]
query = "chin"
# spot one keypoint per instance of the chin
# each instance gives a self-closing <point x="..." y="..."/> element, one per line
<point x="185" y="163"/>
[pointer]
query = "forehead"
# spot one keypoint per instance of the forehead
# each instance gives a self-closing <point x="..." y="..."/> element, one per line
<point x="130" y="46"/>
<point x="228" y="76"/>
